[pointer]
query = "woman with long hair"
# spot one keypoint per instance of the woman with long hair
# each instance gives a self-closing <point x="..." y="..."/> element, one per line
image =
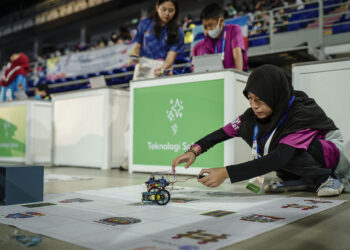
<point x="160" y="36"/>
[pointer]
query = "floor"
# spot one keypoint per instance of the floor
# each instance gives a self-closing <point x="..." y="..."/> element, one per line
<point x="325" y="230"/>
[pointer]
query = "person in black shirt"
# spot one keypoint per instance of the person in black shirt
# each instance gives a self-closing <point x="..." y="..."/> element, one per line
<point x="288" y="132"/>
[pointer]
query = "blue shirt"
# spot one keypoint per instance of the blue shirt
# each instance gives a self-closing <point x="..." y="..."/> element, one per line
<point x="8" y="93"/>
<point x="155" y="48"/>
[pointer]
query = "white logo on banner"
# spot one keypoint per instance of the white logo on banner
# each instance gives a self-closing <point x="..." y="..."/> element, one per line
<point x="6" y="127"/>
<point x="174" y="113"/>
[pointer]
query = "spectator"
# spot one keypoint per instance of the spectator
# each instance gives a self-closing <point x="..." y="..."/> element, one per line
<point x="14" y="78"/>
<point x="160" y="37"/>
<point x="112" y="39"/>
<point x="300" y="4"/>
<point x="230" y="11"/>
<point x="281" y="18"/>
<point x="225" y="39"/>
<point x="276" y="4"/>
<point x="42" y="92"/>
<point x="188" y="24"/>
<point x="288" y="133"/>
<point x="244" y="6"/>
<point x="102" y="42"/>
<point x="124" y="36"/>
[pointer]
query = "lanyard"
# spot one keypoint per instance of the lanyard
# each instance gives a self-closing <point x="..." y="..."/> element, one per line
<point x="223" y="43"/>
<point x="255" y="147"/>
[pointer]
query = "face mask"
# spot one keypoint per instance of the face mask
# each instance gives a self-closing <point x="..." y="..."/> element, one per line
<point x="37" y="96"/>
<point x="215" y="33"/>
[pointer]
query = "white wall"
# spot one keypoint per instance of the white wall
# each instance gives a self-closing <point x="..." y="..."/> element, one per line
<point x="329" y="84"/>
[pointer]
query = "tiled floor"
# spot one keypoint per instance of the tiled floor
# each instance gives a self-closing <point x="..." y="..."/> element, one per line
<point x="326" y="230"/>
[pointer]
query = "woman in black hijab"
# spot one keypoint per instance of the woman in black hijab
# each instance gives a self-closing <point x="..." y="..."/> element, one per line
<point x="288" y="132"/>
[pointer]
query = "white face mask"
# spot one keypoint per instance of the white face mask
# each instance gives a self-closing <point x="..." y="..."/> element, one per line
<point x="215" y="33"/>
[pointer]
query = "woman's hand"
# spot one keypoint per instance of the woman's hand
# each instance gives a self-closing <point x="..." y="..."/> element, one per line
<point x="135" y="54"/>
<point x="187" y="157"/>
<point x="158" y="72"/>
<point x="215" y="176"/>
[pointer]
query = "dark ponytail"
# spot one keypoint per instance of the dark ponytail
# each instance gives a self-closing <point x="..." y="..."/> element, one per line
<point x="173" y="25"/>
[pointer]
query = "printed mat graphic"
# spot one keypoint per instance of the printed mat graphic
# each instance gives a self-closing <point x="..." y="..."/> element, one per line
<point x="110" y="220"/>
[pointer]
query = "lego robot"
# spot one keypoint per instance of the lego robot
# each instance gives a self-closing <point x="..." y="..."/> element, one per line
<point x="156" y="191"/>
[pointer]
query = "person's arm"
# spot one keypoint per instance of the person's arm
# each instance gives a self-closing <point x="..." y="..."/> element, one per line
<point x="212" y="139"/>
<point x="230" y="130"/>
<point x="238" y="58"/>
<point x="20" y="83"/>
<point x="277" y="159"/>
<point x="137" y="49"/>
<point x="168" y="63"/>
<point x="227" y="132"/>
<point x="199" y="147"/>
<point x="139" y="36"/>
<point x="175" y="49"/>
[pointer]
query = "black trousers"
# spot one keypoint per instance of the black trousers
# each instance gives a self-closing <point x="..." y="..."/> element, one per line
<point x="304" y="166"/>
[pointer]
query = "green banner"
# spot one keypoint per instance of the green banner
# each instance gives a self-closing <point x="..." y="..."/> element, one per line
<point x="167" y="119"/>
<point x="12" y="131"/>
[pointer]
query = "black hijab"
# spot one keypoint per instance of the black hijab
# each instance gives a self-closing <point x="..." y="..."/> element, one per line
<point x="273" y="86"/>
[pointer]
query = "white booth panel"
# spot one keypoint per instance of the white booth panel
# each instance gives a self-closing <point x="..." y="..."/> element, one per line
<point x="328" y="83"/>
<point x="202" y="103"/>
<point x="79" y="131"/>
<point x="120" y="129"/>
<point x="89" y="128"/>
<point x="26" y="132"/>
<point x="42" y="133"/>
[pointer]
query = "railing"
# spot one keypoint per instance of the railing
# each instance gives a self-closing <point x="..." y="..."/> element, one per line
<point x="107" y="77"/>
<point x="315" y="15"/>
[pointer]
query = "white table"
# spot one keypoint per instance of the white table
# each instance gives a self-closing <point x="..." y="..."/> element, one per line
<point x="89" y="127"/>
<point x="328" y="83"/>
<point x="26" y="132"/>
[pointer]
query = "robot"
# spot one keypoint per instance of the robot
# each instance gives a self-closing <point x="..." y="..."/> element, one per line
<point x="156" y="191"/>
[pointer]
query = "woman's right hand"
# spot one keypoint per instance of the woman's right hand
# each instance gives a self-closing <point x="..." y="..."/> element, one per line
<point x="187" y="157"/>
<point x="135" y="54"/>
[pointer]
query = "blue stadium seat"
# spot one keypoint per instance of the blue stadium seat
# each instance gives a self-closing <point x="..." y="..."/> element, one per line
<point x="115" y="81"/>
<point x="81" y="77"/>
<point x="61" y="80"/>
<point x="199" y="36"/>
<point x="118" y="70"/>
<point x="69" y="79"/>
<point x="259" y="42"/>
<point x="106" y="72"/>
<point x="93" y="74"/>
<point x="48" y="82"/>
<point x="130" y="68"/>
<point x="326" y="10"/>
<point x="341" y="28"/>
<point x="30" y="83"/>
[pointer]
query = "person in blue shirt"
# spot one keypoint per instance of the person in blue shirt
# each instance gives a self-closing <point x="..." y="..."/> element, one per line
<point x="160" y="36"/>
<point x="14" y="78"/>
<point x="42" y="92"/>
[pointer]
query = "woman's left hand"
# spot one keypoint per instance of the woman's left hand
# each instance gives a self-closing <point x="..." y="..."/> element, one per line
<point x="158" y="72"/>
<point x="215" y="176"/>
<point x="163" y="72"/>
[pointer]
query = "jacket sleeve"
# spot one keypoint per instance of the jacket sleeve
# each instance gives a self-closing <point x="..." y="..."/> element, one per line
<point x="220" y="135"/>
<point x="212" y="139"/>
<point x="276" y="159"/>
